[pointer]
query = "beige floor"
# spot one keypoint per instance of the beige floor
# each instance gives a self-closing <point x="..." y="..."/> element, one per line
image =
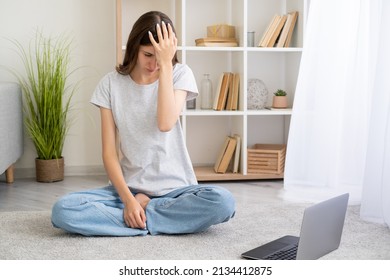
<point x="29" y="195"/>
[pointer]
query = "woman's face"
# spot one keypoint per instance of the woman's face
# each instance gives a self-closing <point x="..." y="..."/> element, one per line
<point x="146" y="62"/>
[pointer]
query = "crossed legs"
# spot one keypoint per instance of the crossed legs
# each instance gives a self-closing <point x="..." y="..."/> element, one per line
<point x="186" y="210"/>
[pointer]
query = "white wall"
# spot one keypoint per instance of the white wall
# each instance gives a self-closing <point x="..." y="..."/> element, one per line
<point x="92" y="25"/>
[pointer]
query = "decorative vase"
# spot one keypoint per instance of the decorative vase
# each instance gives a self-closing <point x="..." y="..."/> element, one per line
<point x="257" y="94"/>
<point x="206" y="93"/>
<point x="49" y="170"/>
<point x="280" y="102"/>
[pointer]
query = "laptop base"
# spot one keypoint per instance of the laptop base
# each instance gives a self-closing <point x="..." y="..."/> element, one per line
<point x="263" y="251"/>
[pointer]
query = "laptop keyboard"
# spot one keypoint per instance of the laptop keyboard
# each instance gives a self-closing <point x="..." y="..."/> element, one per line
<point x="286" y="254"/>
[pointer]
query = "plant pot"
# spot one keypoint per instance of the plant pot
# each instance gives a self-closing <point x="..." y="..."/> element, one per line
<point x="49" y="170"/>
<point x="280" y="102"/>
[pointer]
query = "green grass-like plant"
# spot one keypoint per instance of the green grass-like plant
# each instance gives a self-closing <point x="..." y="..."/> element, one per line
<point x="47" y="96"/>
<point x="280" y="92"/>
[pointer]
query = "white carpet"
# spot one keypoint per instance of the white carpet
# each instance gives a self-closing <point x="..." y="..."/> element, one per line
<point x="29" y="235"/>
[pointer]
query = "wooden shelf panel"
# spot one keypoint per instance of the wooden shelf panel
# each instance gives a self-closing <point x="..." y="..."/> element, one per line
<point x="206" y="173"/>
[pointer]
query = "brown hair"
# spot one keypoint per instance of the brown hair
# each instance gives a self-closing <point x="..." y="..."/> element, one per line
<point x="139" y="36"/>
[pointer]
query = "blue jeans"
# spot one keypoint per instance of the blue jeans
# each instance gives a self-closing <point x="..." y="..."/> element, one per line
<point x="186" y="210"/>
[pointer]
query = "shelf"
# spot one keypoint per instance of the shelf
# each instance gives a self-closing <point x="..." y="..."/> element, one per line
<point x="258" y="49"/>
<point x="206" y="173"/>
<point x="236" y="49"/>
<point x="222" y="49"/>
<point x="205" y="130"/>
<point x="267" y="112"/>
<point x="196" y="112"/>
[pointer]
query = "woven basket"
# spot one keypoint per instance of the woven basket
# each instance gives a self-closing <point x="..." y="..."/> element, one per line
<point x="51" y="170"/>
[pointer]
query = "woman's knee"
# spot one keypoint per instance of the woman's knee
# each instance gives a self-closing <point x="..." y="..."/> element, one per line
<point x="229" y="203"/>
<point x="60" y="212"/>
<point x="224" y="200"/>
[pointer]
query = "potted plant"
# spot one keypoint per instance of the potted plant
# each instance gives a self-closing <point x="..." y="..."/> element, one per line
<point x="280" y="99"/>
<point x="47" y="98"/>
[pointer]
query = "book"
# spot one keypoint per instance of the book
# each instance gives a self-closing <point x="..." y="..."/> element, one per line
<point x="236" y="91"/>
<point x="284" y="32"/>
<point x="227" y="152"/>
<point x="291" y="29"/>
<point x="229" y="101"/>
<point x="232" y="102"/>
<point x="270" y="31"/>
<point x="222" y="98"/>
<point x="267" y="30"/>
<point x="216" y="42"/>
<point x="217" y="91"/>
<point x="221" y="154"/>
<point x="236" y="160"/>
<point x="277" y="30"/>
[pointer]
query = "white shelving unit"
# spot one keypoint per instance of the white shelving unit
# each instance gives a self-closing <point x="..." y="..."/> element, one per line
<point x="205" y="130"/>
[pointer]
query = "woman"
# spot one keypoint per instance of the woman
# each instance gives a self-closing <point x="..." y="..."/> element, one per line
<point x="153" y="188"/>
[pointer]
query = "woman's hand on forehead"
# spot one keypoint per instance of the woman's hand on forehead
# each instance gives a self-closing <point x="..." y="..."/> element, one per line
<point x="167" y="43"/>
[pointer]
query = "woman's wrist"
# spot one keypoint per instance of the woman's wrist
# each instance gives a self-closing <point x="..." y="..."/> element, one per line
<point x="128" y="200"/>
<point x="127" y="197"/>
<point x="165" y="66"/>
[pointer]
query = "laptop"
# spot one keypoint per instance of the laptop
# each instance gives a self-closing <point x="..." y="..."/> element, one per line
<point x="321" y="230"/>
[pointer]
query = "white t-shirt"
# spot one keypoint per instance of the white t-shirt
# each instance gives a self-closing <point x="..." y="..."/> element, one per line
<point x="153" y="162"/>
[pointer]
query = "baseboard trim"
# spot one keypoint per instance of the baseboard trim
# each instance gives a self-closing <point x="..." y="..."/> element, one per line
<point x="89" y="170"/>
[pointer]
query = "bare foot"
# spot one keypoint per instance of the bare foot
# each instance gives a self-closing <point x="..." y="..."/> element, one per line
<point x="142" y="199"/>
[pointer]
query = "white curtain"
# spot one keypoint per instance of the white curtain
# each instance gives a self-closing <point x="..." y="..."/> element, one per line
<point x="375" y="204"/>
<point x="336" y="124"/>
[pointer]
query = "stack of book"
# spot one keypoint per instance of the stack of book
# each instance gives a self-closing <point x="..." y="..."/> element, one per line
<point x="279" y="31"/>
<point x="229" y="155"/>
<point x="227" y="93"/>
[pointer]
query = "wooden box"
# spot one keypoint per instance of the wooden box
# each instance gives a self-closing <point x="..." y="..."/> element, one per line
<point x="266" y="158"/>
<point x="221" y="31"/>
